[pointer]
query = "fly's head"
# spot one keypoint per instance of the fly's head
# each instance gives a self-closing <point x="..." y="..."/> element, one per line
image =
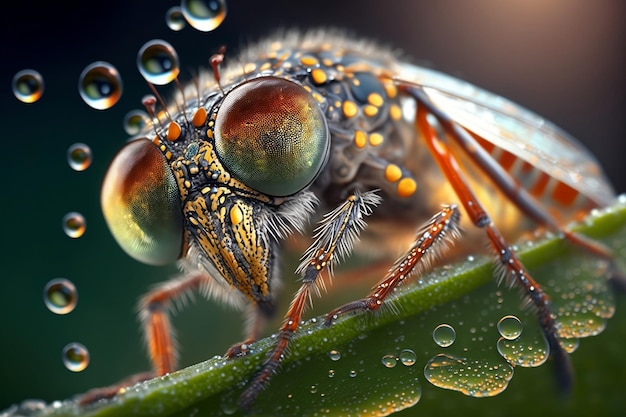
<point x="221" y="182"/>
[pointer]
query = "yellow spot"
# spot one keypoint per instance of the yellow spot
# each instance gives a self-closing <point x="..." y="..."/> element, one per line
<point x="395" y="112"/>
<point x="376" y="139"/>
<point x="308" y="61"/>
<point x="375" y="99"/>
<point x="328" y="62"/>
<point x="319" y="76"/>
<point x="168" y="155"/>
<point x="360" y="139"/>
<point x="265" y="66"/>
<point x="236" y="215"/>
<point x="193" y="169"/>
<point x="199" y="118"/>
<point x="406" y="187"/>
<point x="391" y="89"/>
<point x="249" y="67"/>
<point x="209" y="134"/>
<point x="307" y="88"/>
<point x="162" y="148"/>
<point x="318" y="97"/>
<point x="173" y="131"/>
<point x="187" y="184"/>
<point x="393" y="173"/>
<point x="349" y="109"/>
<point x="205" y="190"/>
<point x="157" y="141"/>
<point x="370" y="111"/>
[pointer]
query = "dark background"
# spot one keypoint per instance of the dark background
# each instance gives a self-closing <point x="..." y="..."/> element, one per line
<point x="565" y="60"/>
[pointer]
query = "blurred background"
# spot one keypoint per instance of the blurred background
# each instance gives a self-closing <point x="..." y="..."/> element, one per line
<point x="564" y="60"/>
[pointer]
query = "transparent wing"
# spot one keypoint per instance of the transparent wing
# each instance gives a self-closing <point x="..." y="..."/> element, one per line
<point x="515" y="129"/>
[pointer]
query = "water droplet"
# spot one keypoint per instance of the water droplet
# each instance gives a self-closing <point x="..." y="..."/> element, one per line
<point x="313" y="389"/>
<point x="389" y="361"/>
<point x="407" y="357"/>
<point x="331" y="373"/>
<point x="75" y="357"/>
<point x="135" y="121"/>
<point x="569" y="345"/>
<point x="60" y="296"/>
<point x="74" y="224"/>
<point x="334" y="355"/>
<point x="157" y="62"/>
<point x="28" y="86"/>
<point x="444" y="335"/>
<point x="100" y="85"/>
<point x="475" y="378"/>
<point x="204" y="15"/>
<point x="79" y="156"/>
<point x="528" y="354"/>
<point x="352" y="373"/>
<point x="174" y="18"/>
<point x="510" y="327"/>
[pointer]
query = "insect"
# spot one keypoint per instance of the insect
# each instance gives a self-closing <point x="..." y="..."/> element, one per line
<point x="317" y="127"/>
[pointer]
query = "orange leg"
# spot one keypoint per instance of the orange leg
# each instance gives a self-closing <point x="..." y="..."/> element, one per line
<point x="513" y="268"/>
<point x="333" y="240"/>
<point x="442" y="226"/>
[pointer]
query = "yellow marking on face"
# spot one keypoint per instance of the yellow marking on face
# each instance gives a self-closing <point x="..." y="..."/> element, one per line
<point x="406" y="187"/>
<point x="349" y="109"/>
<point x="168" y="155"/>
<point x="376" y="139"/>
<point x="395" y="112"/>
<point x="390" y="89"/>
<point x="360" y="139"/>
<point x="393" y="173"/>
<point x="375" y="99"/>
<point x="199" y="117"/>
<point x="173" y="131"/>
<point x="319" y="76"/>
<point x="265" y="66"/>
<point x="205" y="190"/>
<point x="249" y="67"/>
<point x="236" y="215"/>
<point x="193" y="169"/>
<point x="318" y="97"/>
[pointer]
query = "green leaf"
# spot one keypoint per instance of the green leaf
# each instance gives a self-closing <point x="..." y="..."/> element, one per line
<point x="376" y="364"/>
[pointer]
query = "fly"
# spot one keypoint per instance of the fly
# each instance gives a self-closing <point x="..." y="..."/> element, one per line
<point x="319" y="127"/>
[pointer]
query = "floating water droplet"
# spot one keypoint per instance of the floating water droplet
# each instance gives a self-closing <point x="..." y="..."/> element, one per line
<point x="352" y="373"/>
<point x="313" y="389"/>
<point x="75" y="357"/>
<point x="135" y="121"/>
<point x="79" y="156"/>
<point x="157" y="62"/>
<point x="174" y="18"/>
<point x="100" y="85"/>
<point x="60" y="296"/>
<point x="475" y="378"/>
<point x="389" y="361"/>
<point x="28" y="86"/>
<point x="407" y="357"/>
<point x="444" y="335"/>
<point x="74" y="224"/>
<point x="334" y="355"/>
<point x="204" y="15"/>
<point x="331" y="373"/>
<point x="510" y="327"/>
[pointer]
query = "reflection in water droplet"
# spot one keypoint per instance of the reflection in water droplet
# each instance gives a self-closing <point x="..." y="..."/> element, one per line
<point x="444" y="335"/>
<point x="510" y="327"/>
<point x="100" y="85"/>
<point x="475" y="378"/>
<point x="313" y="389"/>
<point x="157" y="62"/>
<point x="389" y="361"/>
<point x="79" y="156"/>
<point x="407" y="357"/>
<point x="528" y="354"/>
<point x="174" y="18"/>
<point x="135" y="121"/>
<point x="75" y="357"/>
<point x="204" y="15"/>
<point x="27" y="86"/>
<point x="334" y="355"/>
<point x="331" y="373"/>
<point x="74" y="224"/>
<point x="352" y="373"/>
<point x="60" y="296"/>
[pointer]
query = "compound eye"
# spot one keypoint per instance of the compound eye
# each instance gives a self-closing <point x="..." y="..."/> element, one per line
<point x="271" y="134"/>
<point x="141" y="204"/>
